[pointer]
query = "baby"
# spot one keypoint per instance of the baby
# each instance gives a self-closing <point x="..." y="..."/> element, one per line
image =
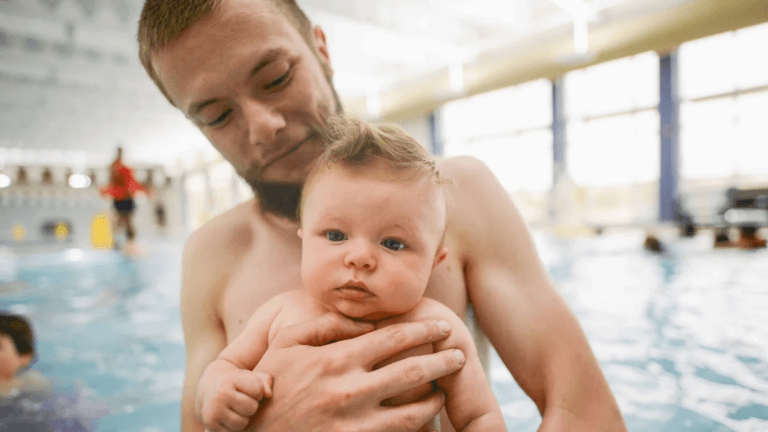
<point x="373" y="219"/>
<point x="17" y="352"/>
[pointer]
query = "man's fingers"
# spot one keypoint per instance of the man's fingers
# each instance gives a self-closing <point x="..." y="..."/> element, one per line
<point x="405" y="418"/>
<point x="320" y="331"/>
<point x="377" y="346"/>
<point x="395" y="378"/>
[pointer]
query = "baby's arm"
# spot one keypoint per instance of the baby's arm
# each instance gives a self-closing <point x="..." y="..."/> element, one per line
<point x="229" y="391"/>
<point x="469" y="401"/>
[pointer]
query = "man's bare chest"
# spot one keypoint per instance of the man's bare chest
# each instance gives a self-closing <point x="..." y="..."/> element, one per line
<point x="266" y="270"/>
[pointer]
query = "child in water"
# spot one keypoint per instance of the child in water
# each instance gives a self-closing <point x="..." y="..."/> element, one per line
<point x="372" y="225"/>
<point x="17" y="353"/>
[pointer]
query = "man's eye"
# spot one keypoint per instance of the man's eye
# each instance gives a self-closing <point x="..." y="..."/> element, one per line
<point x="220" y="119"/>
<point x="277" y="82"/>
<point x="393" y="244"/>
<point x="335" y="236"/>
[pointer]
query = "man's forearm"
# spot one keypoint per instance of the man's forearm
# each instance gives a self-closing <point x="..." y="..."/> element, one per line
<point x="598" y="416"/>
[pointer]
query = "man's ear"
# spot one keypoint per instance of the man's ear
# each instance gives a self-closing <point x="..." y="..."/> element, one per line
<point x="440" y="256"/>
<point x="300" y="233"/>
<point x="322" y="48"/>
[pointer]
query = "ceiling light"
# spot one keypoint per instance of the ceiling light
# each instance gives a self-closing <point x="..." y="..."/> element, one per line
<point x="79" y="181"/>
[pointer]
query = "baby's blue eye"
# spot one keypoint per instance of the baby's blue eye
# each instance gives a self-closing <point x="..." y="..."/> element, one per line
<point x="393" y="244"/>
<point x="335" y="236"/>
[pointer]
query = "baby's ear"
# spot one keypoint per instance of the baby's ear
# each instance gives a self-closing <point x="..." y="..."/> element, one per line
<point x="300" y="233"/>
<point x="440" y="256"/>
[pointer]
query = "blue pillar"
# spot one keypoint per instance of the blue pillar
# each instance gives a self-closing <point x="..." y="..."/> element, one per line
<point x="558" y="129"/>
<point x="669" y="129"/>
<point x="558" y="140"/>
<point x="436" y="132"/>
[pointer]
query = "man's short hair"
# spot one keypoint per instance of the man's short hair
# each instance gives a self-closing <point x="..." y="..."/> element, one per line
<point x="19" y="330"/>
<point x="164" y="21"/>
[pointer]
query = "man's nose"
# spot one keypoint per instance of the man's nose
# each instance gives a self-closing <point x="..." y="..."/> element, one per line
<point x="361" y="255"/>
<point x="263" y="121"/>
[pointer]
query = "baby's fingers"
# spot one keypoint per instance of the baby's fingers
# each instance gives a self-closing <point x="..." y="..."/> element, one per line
<point x="243" y="405"/>
<point x="230" y="421"/>
<point x="256" y="385"/>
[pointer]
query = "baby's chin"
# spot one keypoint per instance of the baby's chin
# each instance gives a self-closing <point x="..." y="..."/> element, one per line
<point x="370" y="317"/>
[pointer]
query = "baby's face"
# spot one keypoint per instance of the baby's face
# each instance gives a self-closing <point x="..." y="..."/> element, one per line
<point x="10" y="359"/>
<point x="369" y="242"/>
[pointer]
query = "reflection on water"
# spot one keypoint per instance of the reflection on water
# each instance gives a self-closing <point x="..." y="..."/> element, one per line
<point x="681" y="337"/>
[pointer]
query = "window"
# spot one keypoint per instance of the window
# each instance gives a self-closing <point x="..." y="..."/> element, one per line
<point x="509" y="130"/>
<point x="612" y="122"/>
<point x="724" y="103"/>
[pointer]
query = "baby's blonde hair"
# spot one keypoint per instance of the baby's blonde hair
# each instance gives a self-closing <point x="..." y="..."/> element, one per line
<point x="352" y="141"/>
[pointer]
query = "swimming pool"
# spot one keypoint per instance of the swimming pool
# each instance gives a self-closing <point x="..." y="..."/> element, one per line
<point x="681" y="338"/>
<point x="110" y="328"/>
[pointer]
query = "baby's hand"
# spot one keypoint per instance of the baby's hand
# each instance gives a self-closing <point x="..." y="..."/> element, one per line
<point x="229" y="404"/>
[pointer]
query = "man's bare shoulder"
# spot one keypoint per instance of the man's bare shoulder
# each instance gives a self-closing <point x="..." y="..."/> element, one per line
<point x="470" y="178"/>
<point x="228" y="233"/>
<point x="474" y="193"/>
<point x="461" y="167"/>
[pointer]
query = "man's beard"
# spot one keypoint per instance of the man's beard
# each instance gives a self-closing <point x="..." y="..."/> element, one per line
<point x="282" y="198"/>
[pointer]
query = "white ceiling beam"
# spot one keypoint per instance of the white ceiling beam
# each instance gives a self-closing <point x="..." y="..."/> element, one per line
<point x="103" y="40"/>
<point x="387" y="43"/>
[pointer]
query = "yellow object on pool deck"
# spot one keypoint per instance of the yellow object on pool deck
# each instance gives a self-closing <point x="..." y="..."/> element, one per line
<point x="19" y="233"/>
<point x="101" y="233"/>
<point x="61" y="231"/>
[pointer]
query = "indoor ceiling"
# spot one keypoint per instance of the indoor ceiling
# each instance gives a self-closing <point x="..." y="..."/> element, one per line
<point x="71" y="86"/>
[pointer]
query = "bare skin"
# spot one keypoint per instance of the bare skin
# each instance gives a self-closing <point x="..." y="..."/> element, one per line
<point x="369" y="245"/>
<point x="255" y="116"/>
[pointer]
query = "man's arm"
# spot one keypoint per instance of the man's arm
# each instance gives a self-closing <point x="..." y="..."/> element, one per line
<point x="469" y="400"/>
<point x="528" y="322"/>
<point x="204" y="336"/>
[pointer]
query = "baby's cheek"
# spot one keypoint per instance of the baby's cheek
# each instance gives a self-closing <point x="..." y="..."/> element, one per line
<point x="315" y="274"/>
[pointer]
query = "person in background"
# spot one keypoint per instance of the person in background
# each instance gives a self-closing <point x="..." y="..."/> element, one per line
<point x="123" y="187"/>
<point x="17" y="353"/>
<point x="373" y="217"/>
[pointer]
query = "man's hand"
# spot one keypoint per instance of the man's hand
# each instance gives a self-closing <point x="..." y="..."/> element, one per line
<point x="231" y="400"/>
<point x="333" y="387"/>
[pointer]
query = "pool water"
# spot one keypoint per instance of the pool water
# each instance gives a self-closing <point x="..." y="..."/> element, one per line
<point x="110" y="328"/>
<point x="681" y="337"/>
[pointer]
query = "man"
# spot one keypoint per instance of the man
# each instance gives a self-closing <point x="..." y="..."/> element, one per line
<point x="255" y="77"/>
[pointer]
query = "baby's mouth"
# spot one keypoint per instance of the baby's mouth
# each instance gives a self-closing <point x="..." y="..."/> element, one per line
<point x="355" y="291"/>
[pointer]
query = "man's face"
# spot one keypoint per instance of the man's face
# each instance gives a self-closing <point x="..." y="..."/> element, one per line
<point x="369" y="240"/>
<point x="244" y="75"/>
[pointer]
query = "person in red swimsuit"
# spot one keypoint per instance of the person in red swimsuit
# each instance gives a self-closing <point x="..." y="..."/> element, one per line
<point x="122" y="187"/>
